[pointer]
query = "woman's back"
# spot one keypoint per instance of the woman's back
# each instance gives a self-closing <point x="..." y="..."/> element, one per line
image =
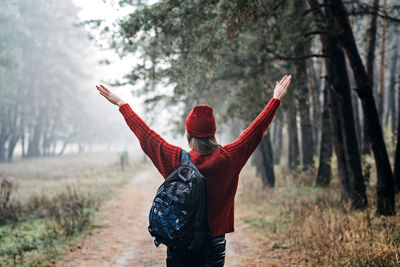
<point x="221" y="167"/>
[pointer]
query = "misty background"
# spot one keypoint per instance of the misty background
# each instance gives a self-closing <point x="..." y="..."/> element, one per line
<point x="322" y="188"/>
<point x="50" y="65"/>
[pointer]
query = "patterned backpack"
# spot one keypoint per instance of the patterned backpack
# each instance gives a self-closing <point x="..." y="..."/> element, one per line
<point x="178" y="217"/>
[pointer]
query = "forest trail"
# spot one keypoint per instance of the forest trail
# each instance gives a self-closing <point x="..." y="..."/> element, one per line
<point x="123" y="239"/>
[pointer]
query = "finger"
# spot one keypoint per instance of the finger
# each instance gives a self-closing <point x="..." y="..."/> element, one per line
<point x="102" y="86"/>
<point x="104" y="91"/>
<point x="284" y="77"/>
<point x="284" y="80"/>
<point x="105" y="95"/>
<point x="99" y="88"/>
<point x="287" y="83"/>
<point x="287" y="80"/>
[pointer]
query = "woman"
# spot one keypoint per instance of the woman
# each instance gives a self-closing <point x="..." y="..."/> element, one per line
<point x="220" y="165"/>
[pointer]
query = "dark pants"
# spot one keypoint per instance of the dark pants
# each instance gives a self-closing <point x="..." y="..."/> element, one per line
<point x="213" y="255"/>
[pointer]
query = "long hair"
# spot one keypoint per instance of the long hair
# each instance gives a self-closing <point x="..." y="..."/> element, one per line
<point x="203" y="146"/>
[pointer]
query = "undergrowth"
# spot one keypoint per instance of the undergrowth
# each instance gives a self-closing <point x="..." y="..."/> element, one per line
<point x="37" y="225"/>
<point x="316" y="224"/>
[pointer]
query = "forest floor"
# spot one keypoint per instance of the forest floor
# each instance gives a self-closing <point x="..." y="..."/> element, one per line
<point x="123" y="240"/>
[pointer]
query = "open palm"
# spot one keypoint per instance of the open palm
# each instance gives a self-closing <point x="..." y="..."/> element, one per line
<point x="114" y="99"/>
<point x="282" y="86"/>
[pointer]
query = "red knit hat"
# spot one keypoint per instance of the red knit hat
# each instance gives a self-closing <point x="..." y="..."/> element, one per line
<point x="200" y="122"/>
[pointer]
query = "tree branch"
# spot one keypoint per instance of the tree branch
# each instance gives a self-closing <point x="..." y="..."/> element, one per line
<point x="282" y="57"/>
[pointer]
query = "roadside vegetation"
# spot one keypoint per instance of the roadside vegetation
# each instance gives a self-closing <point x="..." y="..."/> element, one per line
<point x="314" y="222"/>
<point x="41" y="217"/>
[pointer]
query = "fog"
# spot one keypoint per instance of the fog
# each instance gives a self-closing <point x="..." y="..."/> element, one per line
<point x="49" y="66"/>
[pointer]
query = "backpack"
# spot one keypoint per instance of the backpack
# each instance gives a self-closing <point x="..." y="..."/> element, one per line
<point x="178" y="217"/>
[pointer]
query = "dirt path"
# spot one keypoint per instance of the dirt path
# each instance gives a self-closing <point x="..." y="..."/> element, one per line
<point x="123" y="239"/>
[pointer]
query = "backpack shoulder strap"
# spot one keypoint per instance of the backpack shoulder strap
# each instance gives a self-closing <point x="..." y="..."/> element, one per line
<point x="185" y="157"/>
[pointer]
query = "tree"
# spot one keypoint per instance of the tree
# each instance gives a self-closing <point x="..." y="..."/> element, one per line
<point x="385" y="186"/>
<point x="339" y="95"/>
<point x="41" y="72"/>
<point x="264" y="162"/>
<point x="325" y="155"/>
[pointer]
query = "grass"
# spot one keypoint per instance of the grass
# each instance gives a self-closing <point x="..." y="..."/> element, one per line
<point x="43" y="217"/>
<point x="315" y="223"/>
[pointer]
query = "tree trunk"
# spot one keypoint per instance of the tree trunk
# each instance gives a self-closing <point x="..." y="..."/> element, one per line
<point x="392" y="85"/>
<point x="338" y="141"/>
<point x="397" y="153"/>
<point x="262" y="159"/>
<point x="12" y="144"/>
<point x="325" y="155"/>
<point x="294" y="153"/>
<point x="277" y="142"/>
<point x="303" y="98"/>
<point x="341" y="89"/>
<point x="316" y="105"/>
<point x="34" y="142"/>
<point x="385" y="186"/>
<point x="382" y="67"/>
<point x="354" y="99"/>
<point x="2" y="144"/>
<point x="268" y="176"/>
<point x="353" y="186"/>
<point x="307" y="144"/>
<point x="23" y="144"/>
<point x="366" y="144"/>
<point x="63" y="148"/>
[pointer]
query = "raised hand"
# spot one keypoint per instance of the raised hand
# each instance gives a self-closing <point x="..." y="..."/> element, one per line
<point x="110" y="96"/>
<point x="282" y="86"/>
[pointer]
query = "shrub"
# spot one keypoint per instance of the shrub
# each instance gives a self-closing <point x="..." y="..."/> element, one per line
<point x="71" y="210"/>
<point x="9" y="209"/>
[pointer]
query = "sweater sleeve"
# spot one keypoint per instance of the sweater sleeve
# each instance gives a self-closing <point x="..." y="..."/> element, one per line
<point x="163" y="155"/>
<point x="241" y="149"/>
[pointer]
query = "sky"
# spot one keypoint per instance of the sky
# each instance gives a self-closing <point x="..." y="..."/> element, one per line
<point x="110" y="11"/>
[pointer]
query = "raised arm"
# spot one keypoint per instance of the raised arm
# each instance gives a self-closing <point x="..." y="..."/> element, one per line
<point x="163" y="155"/>
<point x="241" y="149"/>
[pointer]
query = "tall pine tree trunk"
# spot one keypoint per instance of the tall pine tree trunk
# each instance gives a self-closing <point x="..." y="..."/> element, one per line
<point x="277" y="141"/>
<point x="385" y="186"/>
<point x="339" y="144"/>
<point x="294" y="155"/>
<point x="263" y="161"/>
<point x="341" y="90"/>
<point x="34" y="142"/>
<point x="371" y="35"/>
<point x="353" y="186"/>
<point x="303" y="97"/>
<point x="381" y="91"/>
<point x="392" y="86"/>
<point x="397" y="153"/>
<point x="325" y="155"/>
<point x="354" y="99"/>
<point x="268" y="176"/>
<point x="3" y="140"/>
<point x="316" y="105"/>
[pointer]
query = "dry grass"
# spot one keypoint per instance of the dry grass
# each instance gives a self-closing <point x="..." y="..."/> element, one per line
<point x="41" y="215"/>
<point x="314" y="222"/>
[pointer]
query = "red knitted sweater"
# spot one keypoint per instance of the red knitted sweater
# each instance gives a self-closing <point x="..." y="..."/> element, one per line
<point x="221" y="168"/>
